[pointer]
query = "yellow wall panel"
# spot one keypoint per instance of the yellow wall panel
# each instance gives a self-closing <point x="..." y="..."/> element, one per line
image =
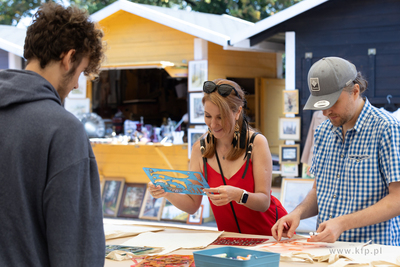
<point x="238" y="64"/>
<point x="133" y="39"/>
<point x="127" y="161"/>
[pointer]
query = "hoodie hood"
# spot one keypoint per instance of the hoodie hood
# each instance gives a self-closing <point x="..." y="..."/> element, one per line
<point x="21" y="86"/>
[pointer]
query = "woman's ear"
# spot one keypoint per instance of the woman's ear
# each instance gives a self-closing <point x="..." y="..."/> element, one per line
<point x="238" y="113"/>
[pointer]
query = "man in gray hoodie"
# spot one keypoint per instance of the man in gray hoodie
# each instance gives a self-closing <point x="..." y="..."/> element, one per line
<point x="50" y="203"/>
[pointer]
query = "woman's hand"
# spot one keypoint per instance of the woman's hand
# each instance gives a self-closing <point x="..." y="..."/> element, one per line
<point x="156" y="191"/>
<point x="223" y="194"/>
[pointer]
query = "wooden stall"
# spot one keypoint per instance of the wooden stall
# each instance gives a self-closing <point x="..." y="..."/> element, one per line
<point x="148" y="49"/>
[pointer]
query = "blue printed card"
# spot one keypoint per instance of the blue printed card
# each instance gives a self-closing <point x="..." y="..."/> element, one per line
<point x="174" y="181"/>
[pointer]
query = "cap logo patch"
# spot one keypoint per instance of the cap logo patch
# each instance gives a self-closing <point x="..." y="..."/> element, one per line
<point x="314" y="84"/>
<point x="321" y="104"/>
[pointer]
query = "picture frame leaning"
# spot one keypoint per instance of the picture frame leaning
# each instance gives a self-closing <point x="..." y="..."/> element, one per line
<point x="111" y="195"/>
<point x="152" y="207"/>
<point x="289" y="128"/>
<point x="197" y="217"/>
<point x="131" y="200"/>
<point x="293" y="192"/>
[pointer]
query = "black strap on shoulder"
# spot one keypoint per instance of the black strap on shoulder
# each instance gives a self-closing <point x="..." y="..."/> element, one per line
<point x="223" y="179"/>
<point x="202" y="149"/>
<point x="249" y="149"/>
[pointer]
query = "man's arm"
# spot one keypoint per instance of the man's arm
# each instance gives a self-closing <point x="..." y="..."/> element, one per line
<point x="387" y="208"/>
<point x="287" y="225"/>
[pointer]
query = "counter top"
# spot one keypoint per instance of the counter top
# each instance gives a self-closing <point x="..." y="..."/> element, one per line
<point x="354" y="250"/>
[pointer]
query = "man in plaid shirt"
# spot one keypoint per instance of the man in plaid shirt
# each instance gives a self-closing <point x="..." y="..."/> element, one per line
<point x="356" y="162"/>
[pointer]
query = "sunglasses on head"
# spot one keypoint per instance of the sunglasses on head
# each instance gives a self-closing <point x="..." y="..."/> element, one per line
<point x="223" y="89"/>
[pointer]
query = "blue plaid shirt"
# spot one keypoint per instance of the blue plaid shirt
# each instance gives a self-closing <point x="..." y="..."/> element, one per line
<point x="354" y="174"/>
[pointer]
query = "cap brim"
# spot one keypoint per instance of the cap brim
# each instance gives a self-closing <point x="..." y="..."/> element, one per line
<point x="322" y="102"/>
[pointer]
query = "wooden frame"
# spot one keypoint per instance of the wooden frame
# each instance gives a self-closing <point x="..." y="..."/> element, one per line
<point x="152" y="207"/>
<point x="293" y="192"/>
<point x="111" y="195"/>
<point x="289" y="129"/>
<point x="197" y="217"/>
<point x="289" y="154"/>
<point x="290" y="101"/>
<point x="172" y="213"/>
<point x="131" y="200"/>
<point x="290" y="169"/>
<point x="193" y="135"/>
<point x="198" y="74"/>
<point x="196" y="109"/>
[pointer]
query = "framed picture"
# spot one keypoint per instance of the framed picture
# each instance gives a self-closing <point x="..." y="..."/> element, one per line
<point x="290" y="101"/>
<point x="289" y="129"/>
<point x="290" y="169"/>
<point x="79" y="92"/>
<point x="293" y="192"/>
<point x="305" y="173"/>
<point x="77" y="106"/>
<point x="111" y="196"/>
<point x="197" y="217"/>
<point x="172" y="213"/>
<point x="131" y="200"/>
<point x="152" y="207"/>
<point x="194" y="134"/>
<point x="289" y="154"/>
<point x="198" y="74"/>
<point x="196" y="109"/>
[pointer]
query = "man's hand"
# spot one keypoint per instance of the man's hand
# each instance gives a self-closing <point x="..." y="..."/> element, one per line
<point x="286" y="226"/>
<point x="329" y="231"/>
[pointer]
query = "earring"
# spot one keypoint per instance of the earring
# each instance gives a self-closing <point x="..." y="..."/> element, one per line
<point x="236" y="136"/>
<point x="210" y="137"/>
<point x="243" y="133"/>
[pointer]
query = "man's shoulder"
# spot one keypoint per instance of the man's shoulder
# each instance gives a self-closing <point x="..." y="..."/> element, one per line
<point x="382" y="117"/>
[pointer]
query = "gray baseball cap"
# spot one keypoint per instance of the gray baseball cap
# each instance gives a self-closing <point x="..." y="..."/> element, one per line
<point x="326" y="79"/>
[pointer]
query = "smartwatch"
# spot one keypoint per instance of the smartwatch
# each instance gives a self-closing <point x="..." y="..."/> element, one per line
<point x="244" y="197"/>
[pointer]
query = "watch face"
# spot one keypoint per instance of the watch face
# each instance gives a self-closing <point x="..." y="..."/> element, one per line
<point x="245" y="196"/>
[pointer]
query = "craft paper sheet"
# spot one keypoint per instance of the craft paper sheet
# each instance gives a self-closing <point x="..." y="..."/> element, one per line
<point x="173" y="241"/>
<point x="174" y="181"/>
<point x="116" y="231"/>
<point x="337" y="254"/>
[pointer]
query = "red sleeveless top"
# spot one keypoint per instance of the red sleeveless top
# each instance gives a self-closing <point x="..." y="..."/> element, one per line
<point x="250" y="221"/>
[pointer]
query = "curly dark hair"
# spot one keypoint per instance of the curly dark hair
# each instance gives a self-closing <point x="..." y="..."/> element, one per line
<point x="56" y="30"/>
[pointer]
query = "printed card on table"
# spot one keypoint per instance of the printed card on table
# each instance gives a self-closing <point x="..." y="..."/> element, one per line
<point x="174" y="181"/>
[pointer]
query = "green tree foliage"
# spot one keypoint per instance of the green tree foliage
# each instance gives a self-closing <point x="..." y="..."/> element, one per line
<point x="11" y="11"/>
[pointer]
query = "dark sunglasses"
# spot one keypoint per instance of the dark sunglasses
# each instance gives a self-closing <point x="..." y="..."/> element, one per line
<point x="223" y="89"/>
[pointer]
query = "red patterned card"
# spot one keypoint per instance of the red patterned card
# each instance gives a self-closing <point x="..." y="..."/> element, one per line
<point x="236" y="241"/>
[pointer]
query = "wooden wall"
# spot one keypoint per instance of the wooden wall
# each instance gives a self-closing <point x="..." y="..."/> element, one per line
<point x="133" y="39"/>
<point x="348" y="29"/>
<point x="127" y="161"/>
<point x="237" y="64"/>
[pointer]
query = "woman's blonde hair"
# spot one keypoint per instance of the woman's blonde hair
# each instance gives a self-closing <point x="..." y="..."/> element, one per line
<point x="230" y="103"/>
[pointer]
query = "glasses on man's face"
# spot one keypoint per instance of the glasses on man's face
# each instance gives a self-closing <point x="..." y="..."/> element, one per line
<point x="223" y="89"/>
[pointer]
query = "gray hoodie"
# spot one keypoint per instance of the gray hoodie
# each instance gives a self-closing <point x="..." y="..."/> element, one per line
<point x="50" y="203"/>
